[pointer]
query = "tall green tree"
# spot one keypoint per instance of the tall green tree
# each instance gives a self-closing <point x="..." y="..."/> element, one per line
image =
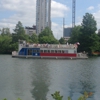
<point x="5" y="44"/>
<point x="46" y="36"/>
<point x="62" y="40"/>
<point x="89" y="27"/>
<point x="76" y="31"/>
<point x="95" y="44"/>
<point x="19" y="33"/>
<point x="19" y="29"/>
<point x="34" y="38"/>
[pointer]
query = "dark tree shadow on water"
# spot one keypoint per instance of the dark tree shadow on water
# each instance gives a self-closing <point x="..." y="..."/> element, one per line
<point x="40" y="81"/>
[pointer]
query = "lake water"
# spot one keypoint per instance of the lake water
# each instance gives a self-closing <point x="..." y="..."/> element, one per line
<point x="37" y="79"/>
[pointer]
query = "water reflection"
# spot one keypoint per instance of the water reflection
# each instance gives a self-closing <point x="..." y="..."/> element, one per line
<point x="82" y="79"/>
<point x="87" y="77"/>
<point x="40" y="80"/>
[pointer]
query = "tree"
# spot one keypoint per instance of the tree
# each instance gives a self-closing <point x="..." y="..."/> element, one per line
<point x="4" y="44"/>
<point x="46" y="36"/>
<point x="88" y="28"/>
<point x="19" y="29"/>
<point x="62" y="40"/>
<point x="89" y="25"/>
<point x="19" y="33"/>
<point x="95" y="44"/>
<point x="76" y="31"/>
<point x="34" y="38"/>
<point x="5" y="31"/>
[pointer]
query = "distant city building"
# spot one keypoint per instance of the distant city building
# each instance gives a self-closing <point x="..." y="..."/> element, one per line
<point x="30" y="30"/>
<point x="67" y="33"/>
<point x="43" y="15"/>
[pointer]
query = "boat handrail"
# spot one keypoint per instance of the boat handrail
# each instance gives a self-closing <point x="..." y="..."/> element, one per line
<point x="72" y="46"/>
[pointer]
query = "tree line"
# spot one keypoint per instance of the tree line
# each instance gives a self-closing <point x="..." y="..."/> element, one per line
<point x="9" y="41"/>
<point x="85" y="34"/>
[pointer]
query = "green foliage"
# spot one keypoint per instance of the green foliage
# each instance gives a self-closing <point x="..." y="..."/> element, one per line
<point x="89" y="25"/>
<point x="19" y="33"/>
<point x="69" y="98"/>
<point x="95" y="44"/>
<point x="76" y="31"/>
<point x="57" y="96"/>
<point x="4" y="44"/>
<point x="18" y="99"/>
<point x="46" y="36"/>
<point x="85" y="35"/>
<point x="62" y="40"/>
<point x="34" y="38"/>
<point x="19" y="29"/>
<point x="86" y="38"/>
<point x="5" y="31"/>
<point x="5" y="99"/>
<point x="85" y="96"/>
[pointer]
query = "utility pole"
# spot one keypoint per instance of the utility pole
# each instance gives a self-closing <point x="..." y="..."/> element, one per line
<point x="73" y="13"/>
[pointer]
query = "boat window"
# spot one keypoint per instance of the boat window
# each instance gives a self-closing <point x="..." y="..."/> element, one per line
<point x="55" y="51"/>
<point x="63" y="51"/>
<point x="38" y="51"/>
<point x="41" y="51"/>
<point x="45" y="51"/>
<point x="52" y="51"/>
<point x="59" y="51"/>
<point x="29" y="51"/>
<point x="48" y="51"/>
<point x="35" y="51"/>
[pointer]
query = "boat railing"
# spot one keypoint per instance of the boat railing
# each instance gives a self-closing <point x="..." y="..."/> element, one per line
<point x="82" y="55"/>
<point x="50" y="46"/>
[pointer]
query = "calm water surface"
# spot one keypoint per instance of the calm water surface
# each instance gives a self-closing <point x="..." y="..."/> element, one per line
<point x="37" y="79"/>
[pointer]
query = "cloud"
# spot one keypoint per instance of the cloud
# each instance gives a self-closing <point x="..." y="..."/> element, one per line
<point x="25" y="11"/>
<point x="97" y="18"/>
<point x="90" y="8"/>
<point x="58" y="30"/>
<point x="58" y="9"/>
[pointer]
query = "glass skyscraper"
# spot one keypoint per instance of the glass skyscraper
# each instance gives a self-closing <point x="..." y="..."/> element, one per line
<point x="43" y="15"/>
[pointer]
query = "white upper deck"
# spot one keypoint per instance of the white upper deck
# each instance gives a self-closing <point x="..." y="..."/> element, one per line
<point x="23" y="44"/>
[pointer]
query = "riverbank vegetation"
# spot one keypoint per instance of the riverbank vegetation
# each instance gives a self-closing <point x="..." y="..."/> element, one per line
<point x="85" y="34"/>
<point x="57" y="96"/>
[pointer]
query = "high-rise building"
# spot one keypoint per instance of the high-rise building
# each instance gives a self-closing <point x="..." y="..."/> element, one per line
<point x="43" y="15"/>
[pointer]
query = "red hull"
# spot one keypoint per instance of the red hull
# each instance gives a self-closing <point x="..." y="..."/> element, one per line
<point x="58" y="54"/>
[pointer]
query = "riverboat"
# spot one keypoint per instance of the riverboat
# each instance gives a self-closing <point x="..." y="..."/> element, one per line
<point x="56" y="51"/>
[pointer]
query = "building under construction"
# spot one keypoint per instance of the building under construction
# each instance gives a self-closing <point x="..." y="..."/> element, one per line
<point x="67" y="31"/>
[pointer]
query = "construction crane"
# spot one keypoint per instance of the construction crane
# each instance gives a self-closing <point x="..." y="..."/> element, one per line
<point x="73" y="13"/>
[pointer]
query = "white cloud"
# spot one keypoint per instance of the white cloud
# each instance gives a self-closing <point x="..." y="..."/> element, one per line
<point x="25" y="11"/>
<point x="90" y="8"/>
<point x="58" y="9"/>
<point x="97" y="18"/>
<point x="58" y="30"/>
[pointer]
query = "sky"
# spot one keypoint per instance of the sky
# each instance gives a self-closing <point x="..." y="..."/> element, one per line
<point x="12" y="11"/>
